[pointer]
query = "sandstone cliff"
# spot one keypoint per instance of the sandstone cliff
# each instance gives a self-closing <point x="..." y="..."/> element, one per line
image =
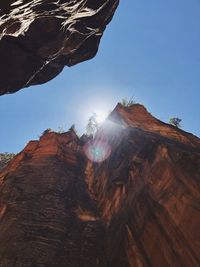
<point x="39" y="37"/>
<point x="128" y="198"/>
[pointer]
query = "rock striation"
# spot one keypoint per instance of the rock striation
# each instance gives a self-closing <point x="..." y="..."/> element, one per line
<point x="130" y="197"/>
<point x="39" y="37"/>
<point x="148" y="191"/>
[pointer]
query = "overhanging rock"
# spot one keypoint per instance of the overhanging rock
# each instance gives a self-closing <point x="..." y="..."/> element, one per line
<point x="38" y="38"/>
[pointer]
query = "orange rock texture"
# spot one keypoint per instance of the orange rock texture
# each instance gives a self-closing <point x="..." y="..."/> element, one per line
<point x="128" y="198"/>
<point x="39" y="37"/>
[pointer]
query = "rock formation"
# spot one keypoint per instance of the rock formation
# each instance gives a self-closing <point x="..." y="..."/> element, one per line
<point x="128" y="198"/>
<point x="39" y="37"/>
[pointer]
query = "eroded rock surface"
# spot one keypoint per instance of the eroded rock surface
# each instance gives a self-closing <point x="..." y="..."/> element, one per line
<point x="137" y="207"/>
<point x="39" y="37"/>
<point x="148" y="191"/>
<point x="47" y="215"/>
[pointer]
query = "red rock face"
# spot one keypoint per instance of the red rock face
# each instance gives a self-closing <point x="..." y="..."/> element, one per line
<point x="148" y="191"/>
<point x="38" y="38"/>
<point x="138" y="207"/>
<point x="47" y="215"/>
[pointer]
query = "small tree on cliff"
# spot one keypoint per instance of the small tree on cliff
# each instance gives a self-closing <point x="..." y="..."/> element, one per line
<point x="72" y="128"/>
<point x="5" y="158"/>
<point x="48" y="130"/>
<point x="127" y="103"/>
<point x="175" y="122"/>
<point x="61" y="130"/>
<point x="92" y="125"/>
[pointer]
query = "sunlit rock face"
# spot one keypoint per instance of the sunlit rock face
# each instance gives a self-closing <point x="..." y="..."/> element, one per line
<point x="39" y="37"/>
<point x="148" y="191"/>
<point x="132" y="200"/>
<point x="48" y="217"/>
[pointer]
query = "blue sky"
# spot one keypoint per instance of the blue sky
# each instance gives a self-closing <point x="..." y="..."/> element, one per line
<point x="151" y="51"/>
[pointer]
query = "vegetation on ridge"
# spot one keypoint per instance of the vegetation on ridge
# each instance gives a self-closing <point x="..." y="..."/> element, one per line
<point x="5" y="159"/>
<point x="92" y="125"/>
<point x="127" y="103"/>
<point x="175" y="122"/>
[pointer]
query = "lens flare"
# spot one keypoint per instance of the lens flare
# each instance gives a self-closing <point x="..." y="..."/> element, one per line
<point x="97" y="151"/>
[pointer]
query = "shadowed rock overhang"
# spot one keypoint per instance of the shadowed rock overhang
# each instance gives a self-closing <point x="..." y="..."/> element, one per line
<point x="38" y="38"/>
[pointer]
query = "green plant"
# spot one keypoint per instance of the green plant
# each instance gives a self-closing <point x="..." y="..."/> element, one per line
<point x="60" y="130"/>
<point x="48" y="130"/>
<point x="175" y="122"/>
<point x="5" y="158"/>
<point x="127" y="103"/>
<point x="72" y="128"/>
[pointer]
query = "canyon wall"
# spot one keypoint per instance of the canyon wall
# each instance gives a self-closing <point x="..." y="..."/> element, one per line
<point x="127" y="198"/>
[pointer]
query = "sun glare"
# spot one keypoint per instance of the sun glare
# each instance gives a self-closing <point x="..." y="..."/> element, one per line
<point x="100" y="116"/>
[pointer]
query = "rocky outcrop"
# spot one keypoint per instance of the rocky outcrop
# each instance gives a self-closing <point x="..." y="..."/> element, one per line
<point x="130" y="197"/>
<point x="38" y="38"/>
<point x="47" y="215"/>
<point x="148" y="191"/>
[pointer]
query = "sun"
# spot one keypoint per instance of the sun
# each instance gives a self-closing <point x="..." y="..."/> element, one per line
<point x="100" y="116"/>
